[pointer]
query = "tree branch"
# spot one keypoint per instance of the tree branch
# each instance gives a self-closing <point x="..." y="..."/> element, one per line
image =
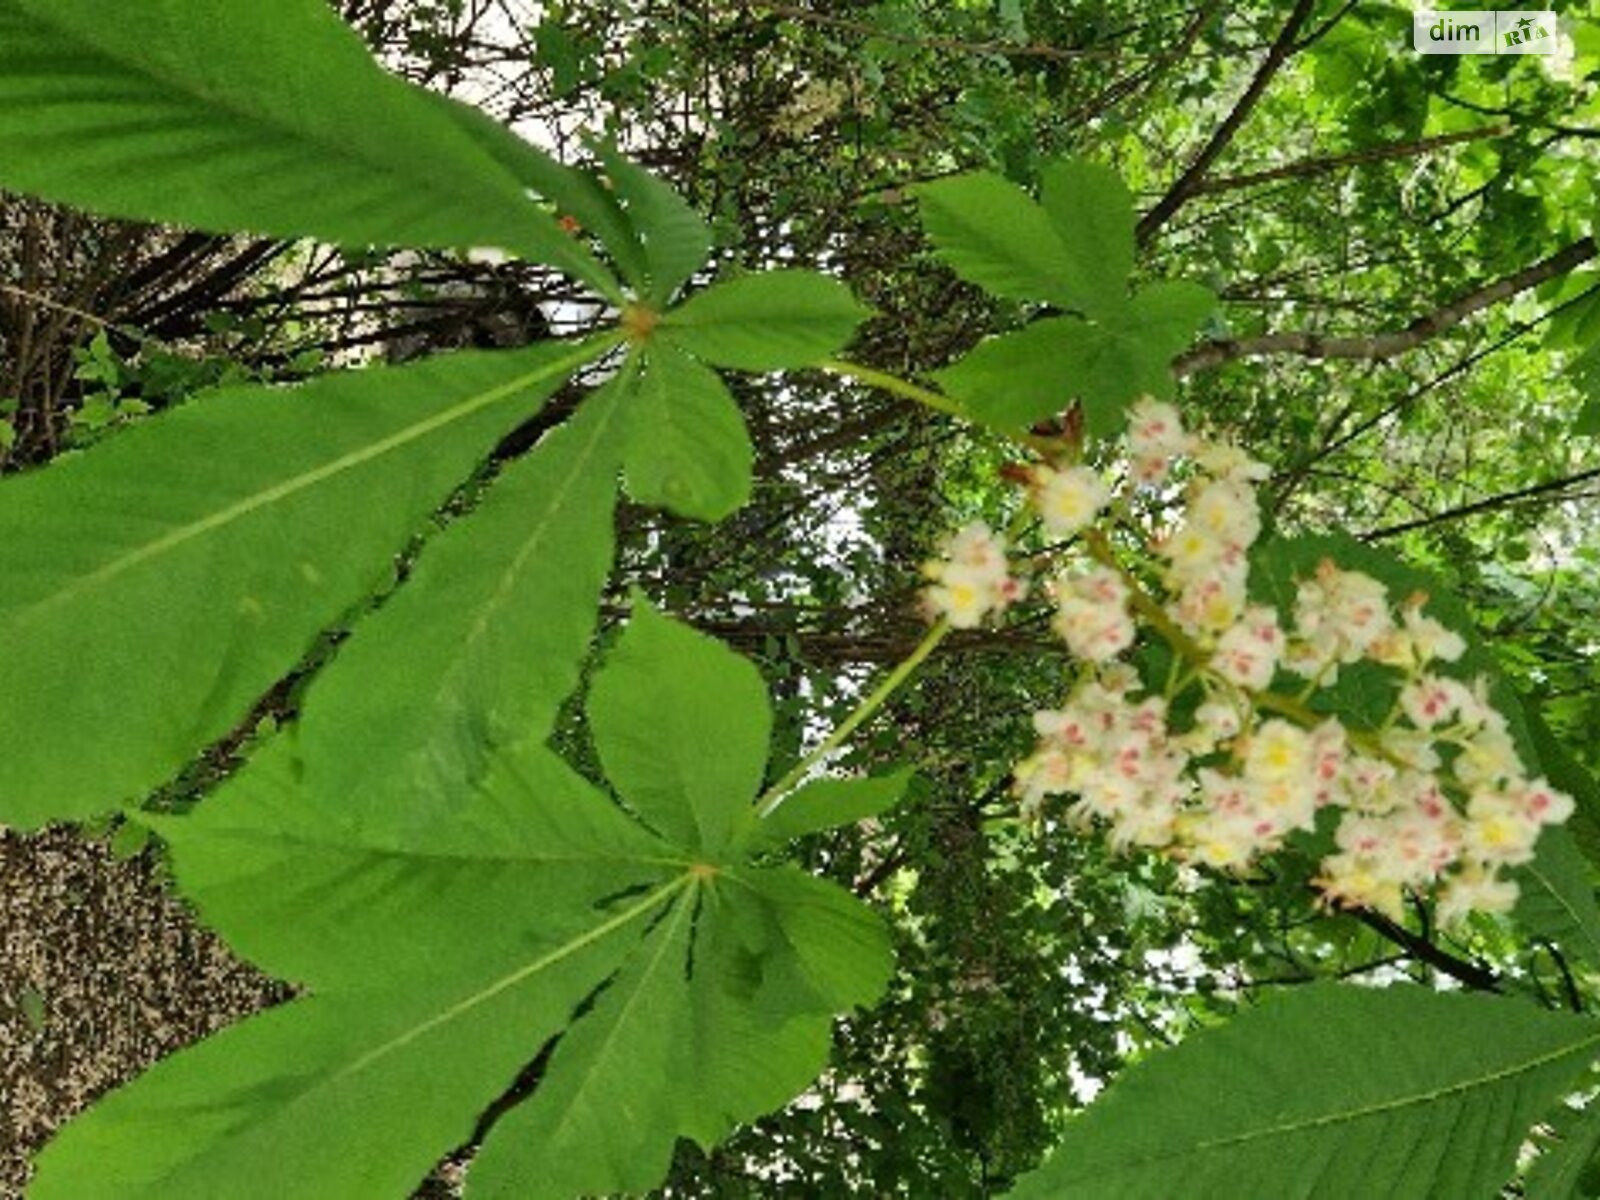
<point x="1146" y="75"/>
<point x="1387" y="345"/>
<point x="1330" y="440"/>
<point x="1487" y="504"/>
<point x="795" y="12"/>
<point x="1472" y="975"/>
<point x="1185" y="187"/>
<point x="1321" y="166"/>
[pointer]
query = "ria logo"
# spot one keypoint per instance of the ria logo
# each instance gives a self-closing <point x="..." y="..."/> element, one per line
<point x="1487" y="31"/>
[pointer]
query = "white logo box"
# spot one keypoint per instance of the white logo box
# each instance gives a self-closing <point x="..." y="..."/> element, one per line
<point x="1484" y="31"/>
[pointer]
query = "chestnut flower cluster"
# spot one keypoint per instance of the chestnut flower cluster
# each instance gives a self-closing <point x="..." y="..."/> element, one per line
<point x="1435" y="801"/>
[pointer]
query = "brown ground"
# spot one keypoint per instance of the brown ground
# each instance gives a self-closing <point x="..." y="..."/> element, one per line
<point x="101" y="973"/>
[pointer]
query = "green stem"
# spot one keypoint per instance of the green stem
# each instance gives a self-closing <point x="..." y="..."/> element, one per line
<point x="780" y="791"/>
<point x="893" y="383"/>
<point x="928" y="398"/>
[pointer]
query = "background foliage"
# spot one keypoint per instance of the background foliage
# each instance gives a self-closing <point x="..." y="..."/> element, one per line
<point x="1409" y="321"/>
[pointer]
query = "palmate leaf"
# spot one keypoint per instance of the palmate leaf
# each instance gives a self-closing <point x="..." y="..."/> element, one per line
<point x="347" y="1093"/>
<point x="158" y="584"/>
<point x="1015" y="379"/>
<point x="769" y="321"/>
<point x="992" y="234"/>
<point x="268" y="118"/>
<point x="1557" y="895"/>
<point x="1074" y="250"/>
<point x="688" y="447"/>
<point x="1331" y="1091"/>
<point x="483" y="642"/>
<point x="673" y="241"/>
<point x="688" y="989"/>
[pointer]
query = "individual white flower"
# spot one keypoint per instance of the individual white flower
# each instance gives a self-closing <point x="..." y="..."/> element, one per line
<point x="1222" y="839"/>
<point x="1418" y="640"/>
<point x="1359" y="833"/>
<point x="1215" y="721"/>
<point x="1224" y="460"/>
<point x="977" y="546"/>
<point x="1498" y="830"/>
<point x="1372" y="785"/>
<point x="1412" y="748"/>
<point x="1226" y="509"/>
<point x="1247" y="654"/>
<point x="1540" y="802"/>
<point x="962" y="597"/>
<point x="1195" y="552"/>
<point x="1423" y="845"/>
<point x="1430" y="701"/>
<point x="1360" y="881"/>
<point x="1347" y="610"/>
<point x="1475" y="889"/>
<point x="972" y="580"/>
<point x="1047" y="772"/>
<point x="1475" y="710"/>
<point x="1148" y="821"/>
<point x="1106" y="794"/>
<point x="1487" y="758"/>
<point x="1314" y="657"/>
<point x="1209" y="603"/>
<point x="1328" y="756"/>
<point x="1286" y="803"/>
<point x="1155" y="437"/>
<point x="1068" y="500"/>
<point x="1069" y="726"/>
<point x="1092" y="614"/>
<point x="1278" y="752"/>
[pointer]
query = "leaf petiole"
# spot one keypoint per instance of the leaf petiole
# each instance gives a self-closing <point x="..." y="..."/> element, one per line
<point x="780" y="791"/>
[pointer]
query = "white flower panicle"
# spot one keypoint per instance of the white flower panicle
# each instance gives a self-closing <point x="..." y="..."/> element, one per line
<point x="1436" y="802"/>
<point x="815" y="104"/>
<point x="972" y="579"/>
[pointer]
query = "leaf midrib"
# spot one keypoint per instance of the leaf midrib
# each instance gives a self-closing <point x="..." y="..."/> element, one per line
<point x="256" y="837"/>
<point x="503" y="589"/>
<point x="1427" y="1096"/>
<point x="306" y="479"/>
<point x="543" y="962"/>
<point x="604" y="1050"/>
